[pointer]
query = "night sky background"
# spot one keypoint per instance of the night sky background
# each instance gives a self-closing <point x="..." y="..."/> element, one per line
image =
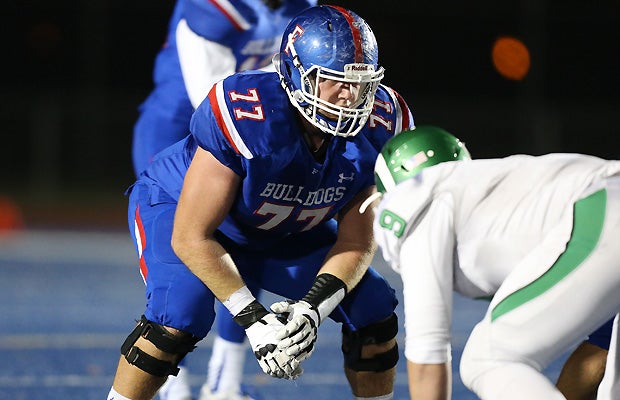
<point x="76" y="71"/>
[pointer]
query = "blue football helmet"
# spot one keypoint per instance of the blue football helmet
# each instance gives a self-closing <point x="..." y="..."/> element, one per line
<point x="330" y="42"/>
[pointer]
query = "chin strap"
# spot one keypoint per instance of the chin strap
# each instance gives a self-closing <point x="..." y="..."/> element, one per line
<point x="369" y="201"/>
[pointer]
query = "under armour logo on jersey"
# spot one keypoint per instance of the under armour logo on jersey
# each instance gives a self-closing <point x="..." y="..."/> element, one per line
<point x="314" y="171"/>
<point x="345" y="178"/>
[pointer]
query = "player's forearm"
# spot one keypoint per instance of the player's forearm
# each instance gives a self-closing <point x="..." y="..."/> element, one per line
<point x="348" y="262"/>
<point x="354" y="249"/>
<point x="429" y="381"/>
<point x="212" y="264"/>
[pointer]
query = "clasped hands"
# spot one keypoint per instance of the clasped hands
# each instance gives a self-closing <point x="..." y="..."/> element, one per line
<point x="281" y="340"/>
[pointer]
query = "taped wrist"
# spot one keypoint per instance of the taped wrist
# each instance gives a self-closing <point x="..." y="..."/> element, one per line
<point x="250" y="314"/>
<point x="244" y="307"/>
<point x="326" y="293"/>
<point x="238" y="300"/>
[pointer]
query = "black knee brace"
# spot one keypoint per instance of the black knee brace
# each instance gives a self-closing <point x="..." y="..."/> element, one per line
<point x="381" y="332"/>
<point x="164" y="341"/>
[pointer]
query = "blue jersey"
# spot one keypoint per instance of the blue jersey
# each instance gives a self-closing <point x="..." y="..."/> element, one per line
<point x="248" y="27"/>
<point x="246" y="34"/>
<point x="249" y="125"/>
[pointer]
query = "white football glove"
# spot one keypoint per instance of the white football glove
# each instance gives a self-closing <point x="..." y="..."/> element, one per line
<point x="262" y="337"/>
<point x="298" y="336"/>
<point x="304" y="316"/>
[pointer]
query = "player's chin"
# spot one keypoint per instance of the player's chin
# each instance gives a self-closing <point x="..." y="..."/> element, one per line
<point x="327" y="115"/>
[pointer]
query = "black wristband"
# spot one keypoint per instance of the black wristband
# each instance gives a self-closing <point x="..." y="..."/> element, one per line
<point x="324" y="294"/>
<point x="250" y="314"/>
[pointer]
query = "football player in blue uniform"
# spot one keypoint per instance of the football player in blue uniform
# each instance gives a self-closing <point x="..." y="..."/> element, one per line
<point x="266" y="192"/>
<point x="207" y="41"/>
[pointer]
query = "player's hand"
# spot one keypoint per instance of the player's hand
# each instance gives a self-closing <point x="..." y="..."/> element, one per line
<point x="298" y="336"/>
<point x="262" y="336"/>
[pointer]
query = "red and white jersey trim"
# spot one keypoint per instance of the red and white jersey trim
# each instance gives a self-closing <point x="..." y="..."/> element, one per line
<point x="402" y="110"/>
<point x="224" y="121"/>
<point x="232" y="14"/>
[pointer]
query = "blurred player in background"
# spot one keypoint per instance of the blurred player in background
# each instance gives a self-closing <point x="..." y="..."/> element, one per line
<point x="207" y="41"/>
<point x="265" y="192"/>
<point x="583" y="371"/>
<point x="538" y="234"/>
<point x="609" y="389"/>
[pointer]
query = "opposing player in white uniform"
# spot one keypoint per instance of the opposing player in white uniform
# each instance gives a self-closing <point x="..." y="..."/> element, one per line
<point x="538" y="234"/>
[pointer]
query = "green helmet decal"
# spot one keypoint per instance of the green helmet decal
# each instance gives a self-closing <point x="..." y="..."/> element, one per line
<point x="408" y="152"/>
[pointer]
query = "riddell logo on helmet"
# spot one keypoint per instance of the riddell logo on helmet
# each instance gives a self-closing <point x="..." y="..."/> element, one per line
<point x="358" y="69"/>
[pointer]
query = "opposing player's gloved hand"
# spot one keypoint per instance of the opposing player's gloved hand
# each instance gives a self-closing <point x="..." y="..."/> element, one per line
<point x="298" y="336"/>
<point x="261" y="328"/>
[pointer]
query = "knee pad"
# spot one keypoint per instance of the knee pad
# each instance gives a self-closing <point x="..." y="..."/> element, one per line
<point x="381" y="332"/>
<point x="164" y="341"/>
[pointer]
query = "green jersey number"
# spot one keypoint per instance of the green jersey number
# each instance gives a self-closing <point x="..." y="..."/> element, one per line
<point x="393" y="222"/>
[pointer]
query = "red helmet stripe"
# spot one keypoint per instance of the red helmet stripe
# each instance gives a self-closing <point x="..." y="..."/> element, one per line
<point x="355" y="31"/>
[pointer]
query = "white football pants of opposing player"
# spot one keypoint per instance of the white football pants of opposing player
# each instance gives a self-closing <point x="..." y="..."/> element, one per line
<point x="505" y="353"/>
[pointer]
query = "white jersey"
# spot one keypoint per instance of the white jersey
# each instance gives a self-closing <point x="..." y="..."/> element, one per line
<point x="493" y="213"/>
